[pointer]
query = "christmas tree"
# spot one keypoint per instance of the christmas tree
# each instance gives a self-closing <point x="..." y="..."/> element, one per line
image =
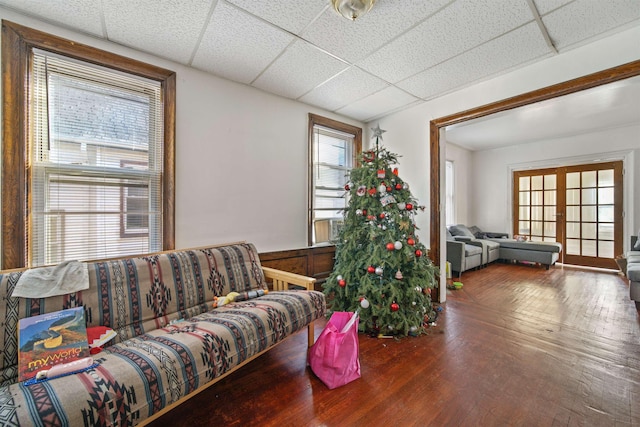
<point x="381" y="268"/>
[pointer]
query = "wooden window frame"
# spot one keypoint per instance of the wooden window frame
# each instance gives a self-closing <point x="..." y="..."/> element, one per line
<point x="314" y="120"/>
<point x="17" y="43"/>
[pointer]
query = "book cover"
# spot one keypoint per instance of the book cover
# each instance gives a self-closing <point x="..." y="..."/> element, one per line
<point x="50" y="339"/>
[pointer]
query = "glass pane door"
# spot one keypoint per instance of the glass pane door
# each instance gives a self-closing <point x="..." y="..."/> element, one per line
<point x="579" y="206"/>
<point x="594" y="214"/>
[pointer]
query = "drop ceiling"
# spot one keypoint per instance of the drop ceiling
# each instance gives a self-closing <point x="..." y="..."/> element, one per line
<point x="403" y="52"/>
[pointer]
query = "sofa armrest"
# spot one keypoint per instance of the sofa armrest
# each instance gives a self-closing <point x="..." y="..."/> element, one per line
<point x="282" y="279"/>
<point x="455" y="254"/>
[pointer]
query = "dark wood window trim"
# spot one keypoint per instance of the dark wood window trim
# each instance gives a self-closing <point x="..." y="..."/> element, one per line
<point x="332" y="124"/>
<point x="17" y="42"/>
<point x="610" y="75"/>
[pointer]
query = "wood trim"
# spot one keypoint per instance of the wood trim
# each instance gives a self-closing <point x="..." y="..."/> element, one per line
<point x="316" y="262"/>
<point x="610" y="75"/>
<point x="315" y="119"/>
<point x="17" y="42"/>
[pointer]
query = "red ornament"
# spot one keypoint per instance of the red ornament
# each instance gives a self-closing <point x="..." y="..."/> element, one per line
<point x="382" y="215"/>
<point x="371" y="217"/>
<point x="398" y="186"/>
<point x="389" y="189"/>
<point x="347" y="187"/>
<point x="390" y="246"/>
<point x="372" y="191"/>
<point x="380" y="173"/>
<point x="418" y="253"/>
<point x="395" y="171"/>
<point x="409" y="206"/>
<point x="364" y="211"/>
<point x="371" y="269"/>
<point x="411" y="242"/>
<point x="342" y="283"/>
<point x="395" y="306"/>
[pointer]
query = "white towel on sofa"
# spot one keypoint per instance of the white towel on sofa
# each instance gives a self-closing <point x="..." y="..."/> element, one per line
<point x="61" y="279"/>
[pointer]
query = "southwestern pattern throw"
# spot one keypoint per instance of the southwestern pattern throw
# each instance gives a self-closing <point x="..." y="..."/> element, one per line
<point x="152" y="363"/>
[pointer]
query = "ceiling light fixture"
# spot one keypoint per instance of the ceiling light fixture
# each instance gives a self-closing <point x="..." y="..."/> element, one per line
<point x="351" y="9"/>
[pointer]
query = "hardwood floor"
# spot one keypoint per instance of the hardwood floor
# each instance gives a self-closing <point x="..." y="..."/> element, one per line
<point x="517" y="345"/>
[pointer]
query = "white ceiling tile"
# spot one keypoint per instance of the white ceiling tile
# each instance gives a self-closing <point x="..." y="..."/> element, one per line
<point x="584" y="19"/>
<point x="515" y="48"/>
<point x="181" y="22"/>
<point x="378" y="104"/>
<point x="298" y="70"/>
<point x="238" y="46"/>
<point x="84" y="15"/>
<point x="461" y="26"/>
<point x="343" y="89"/>
<point x="292" y="15"/>
<point x="352" y="41"/>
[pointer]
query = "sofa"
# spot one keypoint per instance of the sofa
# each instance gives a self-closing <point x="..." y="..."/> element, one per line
<point x="171" y="342"/>
<point x="473" y="235"/>
<point x="463" y="256"/>
<point x="633" y="269"/>
<point x="499" y="246"/>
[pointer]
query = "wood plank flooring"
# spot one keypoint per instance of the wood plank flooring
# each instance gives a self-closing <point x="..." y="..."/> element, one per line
<point x="516" y="346"/>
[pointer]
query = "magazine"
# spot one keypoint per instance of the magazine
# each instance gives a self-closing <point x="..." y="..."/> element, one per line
<point x="50" y="339"/>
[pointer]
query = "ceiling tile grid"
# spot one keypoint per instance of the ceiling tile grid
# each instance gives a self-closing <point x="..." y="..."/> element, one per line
<point x="457" y="28"/>
<point x="584" y="19"/>
<point x="400" y="52"/>
<point x="83" y="15"/>
<point x="378" y="104"/>
<point x="291" y="16"/>
<point x="353" y="41"/>
<point x="510" y="50"/>
<point x="129" y="23"/>
<point x="238" y="46"/>
<point x="298" y="70"/>
<point x="343" y="89"/>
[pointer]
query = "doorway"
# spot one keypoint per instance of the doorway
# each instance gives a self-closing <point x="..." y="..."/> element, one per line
<point x="579" y="206"/>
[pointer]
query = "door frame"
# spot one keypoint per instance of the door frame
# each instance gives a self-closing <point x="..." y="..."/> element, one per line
<point x="589" y="81"/>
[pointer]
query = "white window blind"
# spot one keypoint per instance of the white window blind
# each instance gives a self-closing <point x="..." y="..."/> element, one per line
<point x="333" y="156"/>
<point x="450" y="196"/>
<point x="95" y="158"/>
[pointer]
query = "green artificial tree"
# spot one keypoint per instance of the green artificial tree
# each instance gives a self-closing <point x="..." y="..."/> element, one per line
<point x="381" y="268"/>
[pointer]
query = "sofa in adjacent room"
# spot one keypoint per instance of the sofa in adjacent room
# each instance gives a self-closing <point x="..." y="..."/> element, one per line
<point x="171" y="342"/>
<point x="463" y="256"/>
<point x="633" y="269"/>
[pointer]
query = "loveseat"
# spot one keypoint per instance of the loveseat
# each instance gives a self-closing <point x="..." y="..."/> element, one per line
<point x="171" y="342"/>
<point x="633" y="269"/>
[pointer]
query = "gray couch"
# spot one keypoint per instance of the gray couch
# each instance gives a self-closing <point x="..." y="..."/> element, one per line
<point x="633" y="270"/>
<point x="499" y="246"/>
<point x="475" y="236"/>
<point x="463" y="256"/>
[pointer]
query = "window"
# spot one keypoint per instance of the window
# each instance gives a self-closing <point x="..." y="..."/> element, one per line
<point x="450" y="199"/>
<point x="96" y="157"/>
<point x="333" y="149"/>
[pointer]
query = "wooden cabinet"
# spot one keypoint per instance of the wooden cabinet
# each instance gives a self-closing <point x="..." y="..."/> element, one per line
<point x="314" y="262"/>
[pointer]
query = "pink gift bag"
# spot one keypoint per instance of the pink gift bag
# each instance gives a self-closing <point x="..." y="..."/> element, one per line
<point x="334" y="356"/>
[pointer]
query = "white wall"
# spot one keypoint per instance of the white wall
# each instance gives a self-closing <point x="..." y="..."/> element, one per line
<point x="492" y="181"/>
<point x="241" y="155"/>
<point x="408" y="130"/>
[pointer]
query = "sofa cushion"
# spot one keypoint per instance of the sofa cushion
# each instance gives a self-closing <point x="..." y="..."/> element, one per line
<point x="636" y="247"/>
<point x="633" y="259"/>
<point x="633" y="272"/>
<point x="461" y="230"/>
<point x="472" y="250"/>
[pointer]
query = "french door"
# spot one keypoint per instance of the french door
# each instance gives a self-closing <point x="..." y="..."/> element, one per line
<point x="578" y="206"/>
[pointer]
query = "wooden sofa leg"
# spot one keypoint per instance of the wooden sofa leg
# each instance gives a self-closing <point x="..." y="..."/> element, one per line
<point x="311" y="334"/>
